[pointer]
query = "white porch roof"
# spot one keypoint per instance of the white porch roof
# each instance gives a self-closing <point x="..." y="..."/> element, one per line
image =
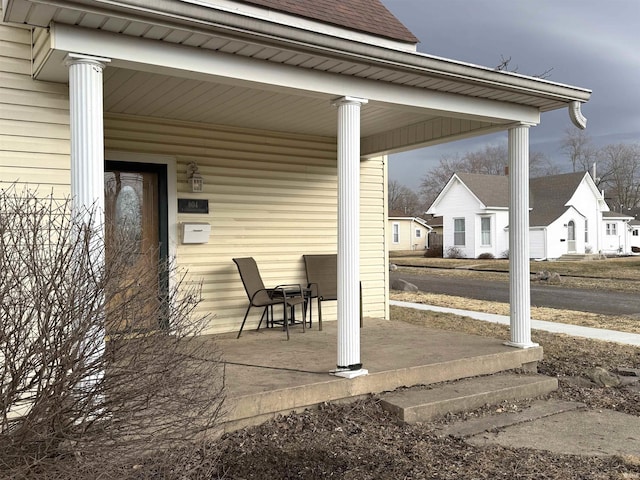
<point x="204" y="62"/>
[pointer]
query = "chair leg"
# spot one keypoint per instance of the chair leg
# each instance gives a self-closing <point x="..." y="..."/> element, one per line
<point x="319" y="314"/>
<point x="308" y="305"/>
<point x="244" y="320"/>
<point x="262" y="317"/>
<point x="286" y="320"/>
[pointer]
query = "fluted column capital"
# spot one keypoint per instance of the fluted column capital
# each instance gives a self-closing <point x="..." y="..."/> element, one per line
<point x="347" y="100"/>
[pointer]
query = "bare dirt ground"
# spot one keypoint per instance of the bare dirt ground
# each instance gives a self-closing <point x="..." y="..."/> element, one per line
<point x="361" y="441"/>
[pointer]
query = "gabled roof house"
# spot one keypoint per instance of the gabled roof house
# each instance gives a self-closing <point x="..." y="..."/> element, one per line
<point x="285" y="111"/>
<point x="568" y="215"/>
<point x="407" y="232"/>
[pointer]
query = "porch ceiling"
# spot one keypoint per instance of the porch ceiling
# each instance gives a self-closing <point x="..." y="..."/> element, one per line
<point x="168" y="97"/>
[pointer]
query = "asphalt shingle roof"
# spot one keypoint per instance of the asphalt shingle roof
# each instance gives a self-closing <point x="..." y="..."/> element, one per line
<point x="547" y="195"/>
<point x="369" y="16"/>
<point x="492" y="190"/>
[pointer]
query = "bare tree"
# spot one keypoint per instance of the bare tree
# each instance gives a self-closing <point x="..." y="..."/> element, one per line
<point x="95" y="370"/>
<point x="505" y="66"/>
<point x="491" y="160"/>
<point x="577" y="146"/>
<point x="403" y="199"/>
<point x="619" y="167"/>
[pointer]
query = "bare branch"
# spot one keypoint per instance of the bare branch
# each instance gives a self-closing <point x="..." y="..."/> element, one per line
<point x="94" y="368"/>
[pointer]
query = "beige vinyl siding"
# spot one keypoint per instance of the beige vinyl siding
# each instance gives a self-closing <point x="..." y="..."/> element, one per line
<point x="34" y="120"/>
<point x="407" y="234"/>
<point x="373" y="254"/>
<point x="271" y="196"/>
<point x="41" y="48"/>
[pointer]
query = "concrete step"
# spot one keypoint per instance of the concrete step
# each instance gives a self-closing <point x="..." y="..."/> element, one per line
<point x="578" y="257"/>
<point x="421" y="405"/>
<point x="537" y="410"/>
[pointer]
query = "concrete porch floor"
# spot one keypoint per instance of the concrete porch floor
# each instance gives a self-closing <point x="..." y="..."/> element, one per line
<point x="267" y="375"/>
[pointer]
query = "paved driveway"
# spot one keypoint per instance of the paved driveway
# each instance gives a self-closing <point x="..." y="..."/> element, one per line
<point x="604" y="302"/>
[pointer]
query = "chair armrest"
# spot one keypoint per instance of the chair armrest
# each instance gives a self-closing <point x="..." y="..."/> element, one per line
<point x="268" y="290"/>
<point x="310" y="286"/>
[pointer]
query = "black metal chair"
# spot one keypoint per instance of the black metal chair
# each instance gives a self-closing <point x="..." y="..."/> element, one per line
<point x="289" y="296"/>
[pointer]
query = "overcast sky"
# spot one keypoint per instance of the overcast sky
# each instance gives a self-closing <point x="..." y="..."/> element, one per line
<point x="594" y="44"/>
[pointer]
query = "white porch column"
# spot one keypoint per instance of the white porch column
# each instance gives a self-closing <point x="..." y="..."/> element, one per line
<point x="87" y="134"/>
<point x="349" y="363"/>
<point x="519" y="276"/>
<point x="87" y="176"/>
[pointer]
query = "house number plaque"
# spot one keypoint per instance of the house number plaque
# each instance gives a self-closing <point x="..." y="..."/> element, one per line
<point x="193" y="205"/>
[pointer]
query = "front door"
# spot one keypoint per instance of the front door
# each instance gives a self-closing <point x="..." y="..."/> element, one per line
<point x="136" y="238"/>
<point x="571" y="237"/>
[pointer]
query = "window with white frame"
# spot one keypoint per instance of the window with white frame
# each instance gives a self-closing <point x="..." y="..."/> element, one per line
<point x="459" y="232"/>
<point x="586" y="231"/>
<point x="418" y="233"/>
<point x="612" y="228"/>
<point x="396" y="233"/>
<point x="485" y="231"/>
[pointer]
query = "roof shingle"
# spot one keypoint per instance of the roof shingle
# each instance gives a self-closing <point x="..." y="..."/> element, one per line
<point x="369" y="16"/>
<point x="547" y="195"/>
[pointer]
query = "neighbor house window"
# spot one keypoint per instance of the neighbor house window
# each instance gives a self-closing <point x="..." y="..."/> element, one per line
<point x="418" y="233"/>
<point x="485" y="231"/>
<point x="396" y="233"/>
<point x="458" y="232"/>
<point x="612" y="229"/>
<point x="586" y="231"/>
<point x="635" y="233"/>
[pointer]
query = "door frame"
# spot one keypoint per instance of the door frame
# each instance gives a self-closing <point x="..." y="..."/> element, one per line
<point x="571" y="243"/>
<point x="172" y="190"/>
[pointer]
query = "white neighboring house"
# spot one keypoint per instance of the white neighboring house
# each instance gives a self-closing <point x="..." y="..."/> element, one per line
<point x="407" y="232"/>
<point x="618" y="233"/>
<point x="565" y="215"/>
<point x="634" y="238"/>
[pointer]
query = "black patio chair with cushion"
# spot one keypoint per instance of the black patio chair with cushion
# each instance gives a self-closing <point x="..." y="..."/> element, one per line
<point x="289" y="296"/>
<point x="322" y="278"/>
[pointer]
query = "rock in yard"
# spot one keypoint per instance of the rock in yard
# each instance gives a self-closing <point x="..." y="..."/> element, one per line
<point x="543" y="275"/>
<point x="554" y="278"/>
<point x="603" y="377"/>
<point x="403" y="286"/>
<point x="393" y="267"/>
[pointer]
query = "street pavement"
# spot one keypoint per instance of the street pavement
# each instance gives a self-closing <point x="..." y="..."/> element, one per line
<point x="553" y="296"/>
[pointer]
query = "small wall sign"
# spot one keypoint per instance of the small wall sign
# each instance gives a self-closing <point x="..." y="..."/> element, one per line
<point x="193" y="205"/>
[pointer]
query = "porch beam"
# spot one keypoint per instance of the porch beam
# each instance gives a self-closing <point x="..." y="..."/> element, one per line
<point x="349" y="364"/>
<point x="425" y="134"/>
<point x="519" y="274"/>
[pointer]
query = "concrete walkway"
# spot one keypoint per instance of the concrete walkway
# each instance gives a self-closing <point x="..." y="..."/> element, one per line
<point x="578" y="432"/>
<point x="574" y="330"/>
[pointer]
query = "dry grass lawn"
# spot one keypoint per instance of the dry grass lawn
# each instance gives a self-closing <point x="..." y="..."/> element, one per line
<point x="620" y="323"/>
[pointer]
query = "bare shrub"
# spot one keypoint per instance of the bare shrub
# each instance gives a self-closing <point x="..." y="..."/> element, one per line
<point x="433" y="252"/>
<point x="96" y="368"/>
<point x="505" y="254"/>
<point x="486" y="256"/>
<point x="455" y="252"/>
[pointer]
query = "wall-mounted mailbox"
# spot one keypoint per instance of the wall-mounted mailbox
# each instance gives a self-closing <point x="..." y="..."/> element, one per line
<point x="195" y="232"/>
